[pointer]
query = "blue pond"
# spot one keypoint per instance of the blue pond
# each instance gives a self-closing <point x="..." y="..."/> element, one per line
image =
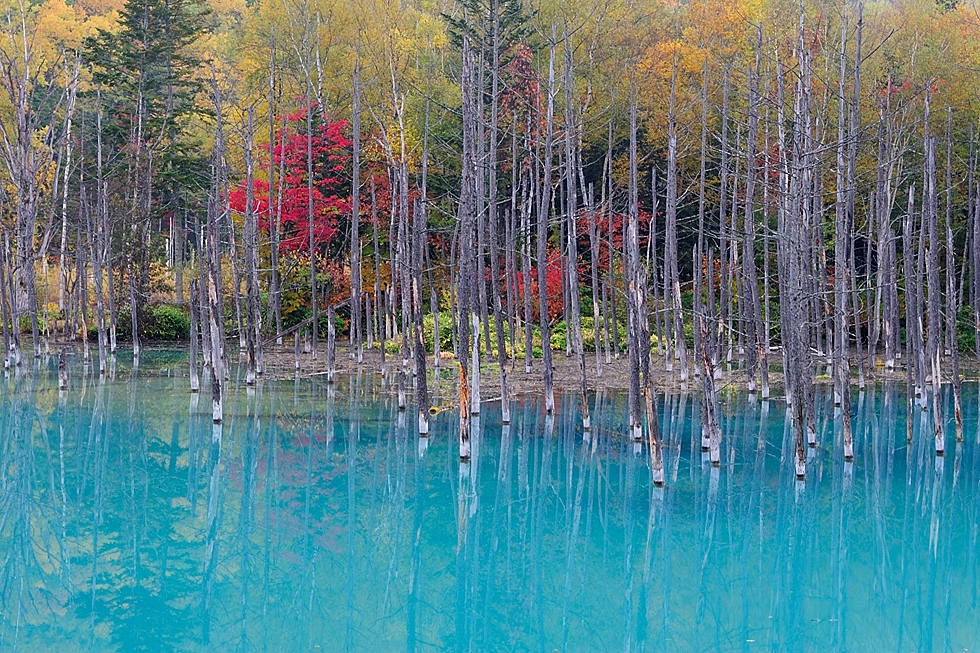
<point x="315" y="519"/>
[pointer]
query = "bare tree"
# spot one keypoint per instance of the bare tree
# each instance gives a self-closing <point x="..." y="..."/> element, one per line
<point x="672" y="281"/>
<point x="253" y="336"/>
<point x="930" y="218"/>
<point x="356" y="292"/>
<point x="571" y="214"/>
<point x="754" y="327"/>
<point x="543" y="213"/>
<point x="952" y="297"/>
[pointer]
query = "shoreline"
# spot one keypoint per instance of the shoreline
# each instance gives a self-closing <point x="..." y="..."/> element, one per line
<point x="279" y="364"/>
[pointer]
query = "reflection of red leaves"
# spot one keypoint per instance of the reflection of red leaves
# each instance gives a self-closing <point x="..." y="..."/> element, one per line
<point x="330" y="539"/>
<point x="304" y="501"/>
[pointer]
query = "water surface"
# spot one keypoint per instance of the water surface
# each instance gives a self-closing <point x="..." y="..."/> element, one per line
<point x="315" y="518"/>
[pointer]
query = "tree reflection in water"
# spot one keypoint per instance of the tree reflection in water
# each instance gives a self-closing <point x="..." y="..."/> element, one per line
<point x="313" y="516"/>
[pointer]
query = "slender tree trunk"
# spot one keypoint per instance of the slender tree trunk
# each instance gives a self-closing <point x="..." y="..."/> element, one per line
<point x="379" y="303"/>
<point x="466" y="282"/>
<point x="356" y="292"/>
<point x="510" y="246"/>
<point x="632" y="246"/>
<point x="911" y="296"/>
<point x="753" y="323"/>
<point x="612" y="268"/>
<point x="311" y="217"/>
<point x="767" y="321"/>
<point x="195" y="380"/>
<point x="253" y="336"/>
<point x="670" y="233"/>
<point x="526" y="277"/>
<point x="842" y="244"/>
<point x="790" y="252"/>
<point x="853" y="141"/>
<point x="544" y="211"/>
<point x="202" y="258"/>
<point x="595" y="288"/>
<point x="571" y="213"/>
<point x="331" y="341"/>
<point x="98" y="246"/>
<point x="275" y="208"/>
<point x="481" y="226"/>
<point x="725" y="289"/>
<point x="418" y="258"/>
<point x="493" y="220"/>
<point x="710" y="430"/>
<point x="702" y="266"/>
<point x="931" y="214"/>
<point x="5" y="313"/>
<point x="11" y="293"/>
<point x="213" y="282"/>
<point x="952" y="305"/>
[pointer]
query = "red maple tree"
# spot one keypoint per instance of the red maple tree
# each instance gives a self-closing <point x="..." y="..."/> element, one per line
<point x="330" y="191"/>
<point x="553" y="286"/>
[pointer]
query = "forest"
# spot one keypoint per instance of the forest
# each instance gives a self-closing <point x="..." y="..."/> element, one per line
<point x="787" y="185"/>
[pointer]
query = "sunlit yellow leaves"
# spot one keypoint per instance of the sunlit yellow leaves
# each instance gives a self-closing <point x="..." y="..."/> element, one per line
<point x="228" y="7"/>
<point x="100" y="7"/>
<point x="721" y="29"/>
<point x="432" y="31"/>
<point x="60" y="26"/>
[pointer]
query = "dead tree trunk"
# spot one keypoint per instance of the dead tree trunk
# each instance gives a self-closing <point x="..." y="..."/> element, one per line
<point x="854" y="136"/>
<point x="195" y="379"/>
<point x="526" y="208"/>
<point x="253" y="336"/>
<point x="98" y="245"/>
<point x="672" y="282"/>
<point x="275" y="208"/>
<point x="952" y="303"/>
<point x="790" y="253"/>
<point x="465" y="282"/>
<point x="356" y="292"/>
<point x="930" y="215"/>
<point x="571" y="252"/>
<point x="611" y="272"/>
<point x="725" y="289"/>
<point x="842" y="244"/>
<point x="753" y="322"/>
<point x="912" y="308"/>
<point x="493" y="222"/>
<point x="213" y="257"/>
<point x="632" y="247"/>
<point x="315" y="320"/>
<point x="544" y="211"/>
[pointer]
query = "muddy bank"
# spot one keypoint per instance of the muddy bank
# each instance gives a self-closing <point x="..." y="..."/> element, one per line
<point x="280" y="363"/>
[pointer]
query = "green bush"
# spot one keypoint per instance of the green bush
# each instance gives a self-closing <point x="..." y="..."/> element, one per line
<point x="965" y="330"/>
<point x="559" y="336"/>
<point x="165" y="322"/>
<point x="25" y="323"/>
<point x="445" y="331"/>
<point x="124" y="325"/>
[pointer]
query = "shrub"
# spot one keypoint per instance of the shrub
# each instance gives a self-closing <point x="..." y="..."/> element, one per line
<point x="445" y="331"/>
<point x="165" y="322"/>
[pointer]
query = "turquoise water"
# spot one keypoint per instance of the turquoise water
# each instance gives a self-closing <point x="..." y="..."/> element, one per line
<point x="129" y="523"/>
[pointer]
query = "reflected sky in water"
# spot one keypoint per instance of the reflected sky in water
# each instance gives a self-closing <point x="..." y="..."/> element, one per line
<point x="315" y="518"/>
